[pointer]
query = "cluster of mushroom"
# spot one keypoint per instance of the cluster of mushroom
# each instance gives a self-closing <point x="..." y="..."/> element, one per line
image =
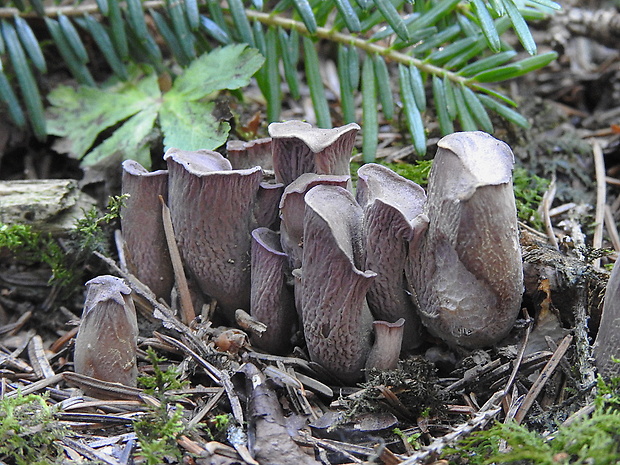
<point x="352" y="269"/>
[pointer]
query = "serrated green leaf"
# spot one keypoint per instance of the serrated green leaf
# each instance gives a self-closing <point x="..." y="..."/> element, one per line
<point x="26" y="81"/>
<point x="393" y="18"/>
<point x="414" y="118"/>
<point x="382" y="78"/>
<point x="516" y="69"/>
<point x="8" y="96"/>
<point x="315" y="84"/>
<point x="192" y="14"/>
<point x="30" y="44"/>
<point x="505" y="112"/>
<point x="73" y="38"/>
<point x="417" y="86"/>
<point x="79" y="115"/>
<point x="290" y="63"/>
<point x="477" y="110"/>
<point x="465" y="117"/>
<point x="487" y="25"/>
<point x="77" y="68"/>
<point x="103" y="41"/>
<point x="227" y="67"/>
<point x="307" y="15"/>
<point x="117" y="28"/>
<point x="241" y="21"/>
<point x="274" y="96"/>
<point x="130" y="141"/>
<point x="445" y="122"/>
<point x="349" y="15"/>
<point x="520" y="26"/>
<point x="347" y="103"/>
<point x="487" y="63"/>
<point x="370" y="120"/>
<point x="214" y="30"/>
<point x="190" y="125"/>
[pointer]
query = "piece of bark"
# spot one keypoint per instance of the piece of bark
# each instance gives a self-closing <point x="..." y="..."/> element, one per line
<point x="299" y="148"/>
<point x="106" y="343"/>
<point x="336" y="318"/>
<point x="466" y="271"/>
<point x="147" y="252"/>
<point x="393" y="216"/>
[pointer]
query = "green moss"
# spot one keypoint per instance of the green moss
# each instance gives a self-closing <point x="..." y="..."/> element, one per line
<point x="529" y="190"/>
<point x="417" y="172"/>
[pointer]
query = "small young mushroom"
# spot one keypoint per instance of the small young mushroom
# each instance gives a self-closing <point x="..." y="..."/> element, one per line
<point x="466" y="270"/>
<point x="272" y="301"/>
<point x="214" y="209"/>
<point x="106" y="343"/>
<point x="299" y="148"/>
<point x="147" y="253"/>
<point x="393" y="216"/>
<point x="292" y="211"/>
<point x="607" y="343"/>
<point x="243" y="155"/>
<point x="386" y="348"/>
<point x="336" y="319"/>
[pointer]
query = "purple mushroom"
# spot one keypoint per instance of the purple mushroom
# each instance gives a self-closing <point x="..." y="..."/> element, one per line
<point x="214" y="209"/>
<point x="336" y="319"/>
<point x="272" y="301"/>
<point x="386" y="348"/>
<point x="147" y="253"/>
<point x="393" y="216"/>
<point x="243" y="155"/>
<point x="299" y="148"/>
<point x="106" y="343"/>
<point x="466" y="270"/>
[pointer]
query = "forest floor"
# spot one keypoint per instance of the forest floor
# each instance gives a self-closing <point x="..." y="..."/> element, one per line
<point x="210" y="397"/>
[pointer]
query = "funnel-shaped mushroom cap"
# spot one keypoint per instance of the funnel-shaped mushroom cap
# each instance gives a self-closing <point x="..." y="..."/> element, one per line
<point x="299" y="148"/>
<point x="337" y="321"/>
<point x="106" y="343"/>
<point x="607" y="343"/>
<point x="249" y="154"/>
<point x="214" y="210"/>
<point x="393" y="216"/>
<point x="386" y="348"/>
<point x="292" y="208"/>
<point x="466" y="272"/>
<point x="272" y="300"/>
<point x="147" y="254"/>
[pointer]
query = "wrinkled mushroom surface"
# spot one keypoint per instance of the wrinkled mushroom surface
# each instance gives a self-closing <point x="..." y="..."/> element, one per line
<point x="607" y="343"/>
<point x="272" y="301"/>
<point x="214" y="210"/>
<point x="299" y="148"/>
<point x="393" y="216"/>
<point x="336" y="318"/>
<point x="106" y="343"/>
<point x="466" y="270"/>
<point x="243" y="155"/>
<point x="143" y="230"/>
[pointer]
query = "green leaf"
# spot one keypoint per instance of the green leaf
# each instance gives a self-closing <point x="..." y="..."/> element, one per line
<point x="103" y="41"/>
<point x="132" y="140"/>
<point x="289" y="60"/>
<point x="307" y="15"/>
<point x="487" y="25"/>
<point x="25" y="78"/>
<point x="465" y="117"/>
<point x="229" y="67"/>
<point x="441" y="106"/>
<point x="477" y="109"/>
<point x="73" y="38"/>
<point x="432" y="16"/>
<point x="241" y="21"/>
<point x="169" y="36"/>
<point x="393" y="18"/>
<point x="513" y="70"/>
<point x="414" y="118"/>
<point x="382" y="79"/>
<point x="30" y="43"/>
<point x="192" y="14"/>
<point x="349" y="15"/>
<point x="181" y="29"/>
<point x="448" y="90"/>
<point x="353" y="60"/>
<point x="274" y="97"/>
<point x="370" y="121"/>
<point x="103" y="7"/>
<point x="9" y="97"/>
<point x="117" y="26"/>
<point x="217" y="15"/>
<point x="347" y="102"/>
<point x="505" y="112"/>
<point x="489" y="62"/>
<point x="135" y="15"/>
<point x="417" y="86"/>
<point x="454" y="49"/>
<point x="77" y="68"/>
<point x="214" y="30"/>
<point x="80" y="115"/>
<point x="190" y="125"/>
<point x="315" y="84"/>
<point x="521" y="28"/>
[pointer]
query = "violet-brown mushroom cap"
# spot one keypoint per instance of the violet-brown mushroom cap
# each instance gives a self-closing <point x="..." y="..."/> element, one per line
<point x="248" y="154"/>
<point x="299" y="148"/>
<point x="336" y="319"/>
<point x="393" y="216"/>
<point x="106" y="343"/>
<point x="466" y="272"/>
<point x="292" y="208"/>
<point x="386" y="348"/>
<point x="147" y="256"/>
<point x="272" y="301"/>
<point x="213" y="210"/>
<point x="607" y="343"/>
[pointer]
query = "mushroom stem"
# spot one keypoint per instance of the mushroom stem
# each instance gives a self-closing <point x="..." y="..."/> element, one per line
<point x="386" y="348"/>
